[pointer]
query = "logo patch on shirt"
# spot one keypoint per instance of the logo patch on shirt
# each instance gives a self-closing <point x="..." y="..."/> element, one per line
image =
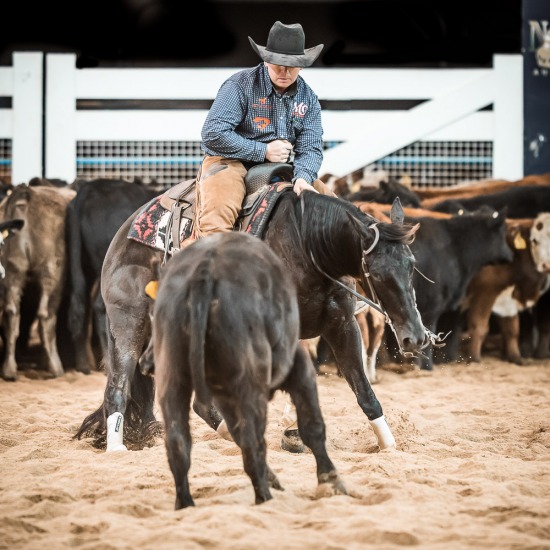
<point x="261" y="122"/>
<point x="300" y="109"/>
<point x="263" y="103"/>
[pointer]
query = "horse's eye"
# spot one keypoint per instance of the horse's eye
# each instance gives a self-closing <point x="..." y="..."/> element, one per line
<point x="375" y="276"/>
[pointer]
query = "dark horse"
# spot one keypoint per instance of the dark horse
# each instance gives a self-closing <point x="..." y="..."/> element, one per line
<point x="227" y="311"/>
<point x="323" y="242"/>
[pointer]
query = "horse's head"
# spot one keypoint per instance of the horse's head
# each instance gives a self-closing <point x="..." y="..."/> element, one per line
<point x="387" y="277"/>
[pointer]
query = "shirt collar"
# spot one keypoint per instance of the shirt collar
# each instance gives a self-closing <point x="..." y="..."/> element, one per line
<point x="268" y="85"/>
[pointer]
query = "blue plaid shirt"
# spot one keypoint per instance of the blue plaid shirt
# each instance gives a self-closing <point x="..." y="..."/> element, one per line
<point x="248" y="113"/>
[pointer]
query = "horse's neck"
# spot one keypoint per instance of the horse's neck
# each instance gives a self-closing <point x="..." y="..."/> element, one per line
<point x="331" y="239"/>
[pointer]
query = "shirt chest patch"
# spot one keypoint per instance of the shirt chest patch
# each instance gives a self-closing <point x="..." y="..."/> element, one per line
<point x="300" y="109"/>
<point x="262" y="104"/>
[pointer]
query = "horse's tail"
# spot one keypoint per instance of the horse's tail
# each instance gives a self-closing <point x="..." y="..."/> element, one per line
<point x="201" y="291"/>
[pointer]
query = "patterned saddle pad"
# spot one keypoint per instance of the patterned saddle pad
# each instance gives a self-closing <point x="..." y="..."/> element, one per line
<point x="153" y="223"/>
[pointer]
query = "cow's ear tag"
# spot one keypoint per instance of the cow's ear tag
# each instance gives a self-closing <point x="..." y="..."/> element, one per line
<point x="151" y="289"/>
<point x="519" y="242"/>
<point x="5" y="233"/>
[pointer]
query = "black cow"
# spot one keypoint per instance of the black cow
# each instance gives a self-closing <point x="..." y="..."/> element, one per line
<point x="93" y="217"/>
<point x="386" y="193"/>
<point x="226" y="326"/>
<point x="450" y="252"/>
<point x="526" y="201"/>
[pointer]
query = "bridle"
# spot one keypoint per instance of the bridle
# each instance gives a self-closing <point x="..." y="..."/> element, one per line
<point x="435" y="339"/>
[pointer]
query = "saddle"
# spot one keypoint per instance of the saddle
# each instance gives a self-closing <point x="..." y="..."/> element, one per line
<point x="180" y="201"/>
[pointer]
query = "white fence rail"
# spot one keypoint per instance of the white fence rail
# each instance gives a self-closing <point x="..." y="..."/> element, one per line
<point x="450" y="110"/>
<point x="22" y="123"/>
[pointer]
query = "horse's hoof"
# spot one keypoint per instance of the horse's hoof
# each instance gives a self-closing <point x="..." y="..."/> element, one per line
<point x="292" y="442"/>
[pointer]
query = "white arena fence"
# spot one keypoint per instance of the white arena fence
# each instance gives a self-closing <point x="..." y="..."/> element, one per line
<point x="439" y="126"/>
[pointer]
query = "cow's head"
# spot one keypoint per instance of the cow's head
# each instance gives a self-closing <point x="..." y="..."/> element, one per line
<point x="540" y="242"/>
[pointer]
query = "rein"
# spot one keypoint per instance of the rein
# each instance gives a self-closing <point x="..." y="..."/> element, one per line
<point x="436" y="340"/>
<point x="375" y="304"/>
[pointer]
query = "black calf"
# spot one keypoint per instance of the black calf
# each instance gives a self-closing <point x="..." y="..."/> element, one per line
<point x="226" y="326"/>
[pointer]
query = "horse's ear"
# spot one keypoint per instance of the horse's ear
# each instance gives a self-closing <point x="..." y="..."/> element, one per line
<point x="396" y="214"/>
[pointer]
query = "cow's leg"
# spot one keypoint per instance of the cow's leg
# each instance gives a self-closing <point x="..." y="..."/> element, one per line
<point x="365" y="341"/>
<point x="478" y="316"/>
<point x="301" y="384"/>
<point x="528" y="332"/>
<point x="79" y="325"/>
<point x="11" y="321"/>
<point x="509" y="329"/>
<point x="47" y="321"/>
<point x="246" y="420"/>
<point x="175" y="410"/>
<point x="542" y="349"/>
<point x="376" y="323"/>
<point x="345" y="342"/>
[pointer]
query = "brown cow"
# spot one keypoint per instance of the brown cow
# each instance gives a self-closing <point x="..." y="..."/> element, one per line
<point x="36" y="255"/>
<point x="496" y="288"/>
<point x="434" y="195"/>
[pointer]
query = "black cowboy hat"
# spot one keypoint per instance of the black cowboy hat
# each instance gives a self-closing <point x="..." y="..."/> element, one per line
<point x="285" y="46"/>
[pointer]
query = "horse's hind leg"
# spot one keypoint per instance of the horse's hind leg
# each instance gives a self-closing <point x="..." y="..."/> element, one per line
<point x="124" y="381"/>
<point x="246" y="421"/>
<point x="301" y="384"/>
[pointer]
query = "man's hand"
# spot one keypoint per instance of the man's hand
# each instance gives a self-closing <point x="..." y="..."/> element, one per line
<point x="278" y="151"/>
<point x="302" y="185"/>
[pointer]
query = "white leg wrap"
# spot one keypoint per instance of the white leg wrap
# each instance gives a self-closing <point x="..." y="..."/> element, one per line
<point x="383" y="433"/>
<point x="115" y="428"/>
<point x="223" y="431"/>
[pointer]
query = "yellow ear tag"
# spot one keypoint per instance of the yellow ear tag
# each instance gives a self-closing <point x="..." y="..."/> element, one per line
<point x="519" y="242"/>
<point x="5" y="234"/>
<point x="151" y="289"/>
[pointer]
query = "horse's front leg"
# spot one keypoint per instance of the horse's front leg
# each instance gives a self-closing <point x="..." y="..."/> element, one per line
<point x="345" y="342"/>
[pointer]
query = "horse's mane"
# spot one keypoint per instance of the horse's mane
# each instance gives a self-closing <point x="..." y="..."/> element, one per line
<point x="330" y="236"/>
<point x="323" y="215"/>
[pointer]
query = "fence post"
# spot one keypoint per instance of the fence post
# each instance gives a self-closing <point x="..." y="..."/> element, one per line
<point x="508" y="117"/>
<point x="61" y="116"/>
<point x="27" y="116"/>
